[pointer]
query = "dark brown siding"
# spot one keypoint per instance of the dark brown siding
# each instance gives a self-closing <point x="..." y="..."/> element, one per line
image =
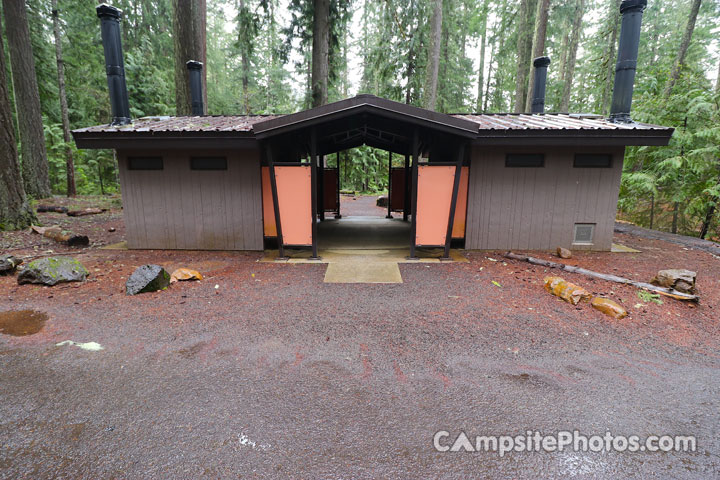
<point x="537" y="208"/>
<point x="180" y="208"/>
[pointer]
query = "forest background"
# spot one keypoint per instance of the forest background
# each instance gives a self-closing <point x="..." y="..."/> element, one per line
<point x="453" y="56"/>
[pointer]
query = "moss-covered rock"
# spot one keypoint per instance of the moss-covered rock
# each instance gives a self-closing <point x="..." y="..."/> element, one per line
<point x="53" y="270"/>
<point x="148" y="278"/>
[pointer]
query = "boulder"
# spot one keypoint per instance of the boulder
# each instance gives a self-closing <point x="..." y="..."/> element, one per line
<point x="564" y="252"/>
<point x="183" y="274"/>
<point x="680" y="279"/>
<point x="148" y="278"/>
<point x="382" y="201"/>
<point x="53" y="270"/>
<point x="609" y="307"/>
<point x="8" y="264"/>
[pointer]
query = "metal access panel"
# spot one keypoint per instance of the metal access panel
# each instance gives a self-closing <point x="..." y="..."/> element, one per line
<point x="397" y="189"/>
<point x="294" y="193"/>
<point x="434" y="197"/>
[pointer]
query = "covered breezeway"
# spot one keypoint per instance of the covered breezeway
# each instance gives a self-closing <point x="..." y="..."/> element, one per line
<point x="299" y="189"/>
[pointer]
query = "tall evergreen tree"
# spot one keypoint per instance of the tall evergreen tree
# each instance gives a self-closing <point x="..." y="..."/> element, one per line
<point x="684" y="45"/>
<point x="69" y="162"/>
<point x="433" y="63"/>
<point x="320" y="52"/>
<point x="27" y="101"/>
<point x="541" y="21"/>
<point x="15" y="212"/>
<point x="189" y="35"/>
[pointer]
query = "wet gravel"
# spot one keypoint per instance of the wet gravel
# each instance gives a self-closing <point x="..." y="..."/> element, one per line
<point x="275" y="374"/>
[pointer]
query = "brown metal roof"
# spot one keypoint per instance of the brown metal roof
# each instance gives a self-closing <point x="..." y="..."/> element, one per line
<point x="490" y="129"/>
<point x="212" y="123"/>
<point x="552" y="121"/>
<point x="495" y="121"/>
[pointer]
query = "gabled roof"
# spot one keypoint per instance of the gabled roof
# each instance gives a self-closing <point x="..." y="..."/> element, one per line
<point x="488" y="129"/>
<point x="366" y="105"/>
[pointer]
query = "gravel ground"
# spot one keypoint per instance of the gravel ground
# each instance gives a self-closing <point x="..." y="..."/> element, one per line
<point x="275" y="374"/>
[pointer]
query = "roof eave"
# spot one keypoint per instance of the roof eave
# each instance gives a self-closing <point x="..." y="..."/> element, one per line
<point x="575" y="137"/>
<point x="163" y="140"/>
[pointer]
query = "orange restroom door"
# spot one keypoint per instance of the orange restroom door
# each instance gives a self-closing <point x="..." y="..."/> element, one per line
<point x="434" y="196"/>
<point x="294" y="192"/>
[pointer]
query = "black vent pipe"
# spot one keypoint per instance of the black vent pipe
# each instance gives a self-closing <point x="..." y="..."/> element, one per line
<point x="114" y="65"/>
<point x="632" y="12"/>
<point x="541" y="66"/>
<point x="196" y="91"/>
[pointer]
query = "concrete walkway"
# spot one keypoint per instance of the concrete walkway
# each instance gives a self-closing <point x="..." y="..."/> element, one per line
<point x="363" y="250"/>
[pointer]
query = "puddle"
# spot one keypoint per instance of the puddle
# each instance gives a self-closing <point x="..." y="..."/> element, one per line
<point x="20" y="323"/>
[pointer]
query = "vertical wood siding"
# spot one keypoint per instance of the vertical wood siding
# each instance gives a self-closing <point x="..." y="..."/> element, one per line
<point x="180" y="208"/>
<point x="537" y="208"/>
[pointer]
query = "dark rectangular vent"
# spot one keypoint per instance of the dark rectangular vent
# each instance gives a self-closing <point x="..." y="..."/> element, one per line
<point x="145" y="163"/>
<point x="208" y="163"/>
<point x="592" y="160"/>
<point x="525" y="160"/>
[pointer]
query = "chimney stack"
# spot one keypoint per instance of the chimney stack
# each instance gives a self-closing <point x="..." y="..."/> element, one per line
<point x="114" y="66"/>
<point x="632" y="12"/>
<point x="196" y="91"/>
<point x="541" y="66"/>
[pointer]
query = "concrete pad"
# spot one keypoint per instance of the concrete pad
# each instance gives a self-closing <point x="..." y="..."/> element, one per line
<point x="115" y="246"/>
<point x="617" y="248"/>
<point x="363" y="273"/>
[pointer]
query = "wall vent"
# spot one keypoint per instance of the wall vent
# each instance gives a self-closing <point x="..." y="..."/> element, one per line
<point x="584" y="233"/>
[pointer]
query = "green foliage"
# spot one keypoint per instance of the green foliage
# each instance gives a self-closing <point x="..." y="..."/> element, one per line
<point x="647" y="297"/>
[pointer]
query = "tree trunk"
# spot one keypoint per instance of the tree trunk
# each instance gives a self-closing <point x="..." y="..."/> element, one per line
<point x="717" y="80"/>
<point x="614" y="19"/>
<point x="15" y="212"/>
<point x="433" y="64"/>
<point x="320" y="52"/>
<point x="710" y="212"/>
<point x="481" y="68"/>
<point x="189" y="35"/>
<point x="69" y="163"/>
<point x="684" y="44"/>
<point x="572" y="55"/>
<point x="245" y="20"/>
<point x="443" y="65"/>
<point x="27" y="101"/>
<point x="670" y="292"/>
<point x="676" y="208"/>
<point x="541" y="20"/>
<point x="487" y="84"/>
<point x="524" y="50"/>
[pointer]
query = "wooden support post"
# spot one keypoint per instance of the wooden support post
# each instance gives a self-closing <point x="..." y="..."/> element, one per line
<point x="414" y="177"/>
<point x="389" y="197"/>
<point x="339" y="185"/>
<point x="453" y="202"/>
<point x="321" y="187"/>
<point x="406" y="186"/>
<point x="276" y="206"/>
<point x="313" y="189"/>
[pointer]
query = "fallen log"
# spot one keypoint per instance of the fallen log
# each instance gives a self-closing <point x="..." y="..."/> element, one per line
<point x="55" y="233"/>
<point x="86" y="211"/>
<point x="668" y="292"/>
<point x="51" y="208"/>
